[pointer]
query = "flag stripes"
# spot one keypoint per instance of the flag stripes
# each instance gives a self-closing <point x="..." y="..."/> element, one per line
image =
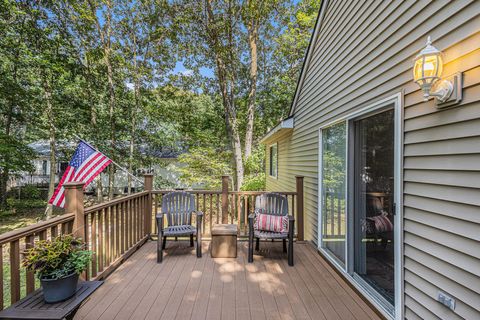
<point x="85" y="165"/>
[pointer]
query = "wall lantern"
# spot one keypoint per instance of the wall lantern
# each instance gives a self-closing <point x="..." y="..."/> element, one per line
<point x="427" y="72"/>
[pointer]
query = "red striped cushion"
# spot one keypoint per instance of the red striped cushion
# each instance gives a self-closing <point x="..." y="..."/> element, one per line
<point x="272" y="223"/>
<point x="382" y="223"/>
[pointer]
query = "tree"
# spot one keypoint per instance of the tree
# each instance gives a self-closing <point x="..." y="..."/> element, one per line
<point x="256" y="15"/>
<point x="143" y="28"/>
<point x="15" y="91"/>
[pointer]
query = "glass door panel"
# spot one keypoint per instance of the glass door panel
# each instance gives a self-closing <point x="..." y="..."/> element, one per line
<point x="373" y="214"/>
<point x="333" y="190"/>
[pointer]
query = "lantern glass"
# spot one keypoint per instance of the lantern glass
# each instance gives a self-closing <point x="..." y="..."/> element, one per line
<point x="428" y="68"/>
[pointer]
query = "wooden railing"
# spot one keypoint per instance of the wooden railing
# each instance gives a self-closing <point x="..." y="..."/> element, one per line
<point x="232" y="207"/>
<point x="115" y="229"/>
<point x="15" y="281"/>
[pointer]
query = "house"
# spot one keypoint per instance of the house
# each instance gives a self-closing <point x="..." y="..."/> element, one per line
<point x="164" y="164"/>
<point x="40" y="176"/>
<point x="392" y="180"/>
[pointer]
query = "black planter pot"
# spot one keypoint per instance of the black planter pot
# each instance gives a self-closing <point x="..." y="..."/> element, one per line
<point x="55" y="290"/>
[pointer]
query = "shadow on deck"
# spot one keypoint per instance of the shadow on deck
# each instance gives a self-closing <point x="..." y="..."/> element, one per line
<point x="184" y="287"/>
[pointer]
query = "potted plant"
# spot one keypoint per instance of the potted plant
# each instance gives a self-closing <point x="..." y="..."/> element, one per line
<point x="58" y="263"/>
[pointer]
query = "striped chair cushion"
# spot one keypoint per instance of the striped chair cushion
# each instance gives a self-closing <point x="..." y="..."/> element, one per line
<point x="382" y="223"/>
<point x="272" y="223"/>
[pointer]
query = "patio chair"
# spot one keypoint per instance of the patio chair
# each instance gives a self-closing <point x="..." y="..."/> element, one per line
<point x="275" y="205"/>
<point x="178" y="207"/>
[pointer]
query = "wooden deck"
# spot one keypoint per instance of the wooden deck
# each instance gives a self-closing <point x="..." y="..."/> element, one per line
<point x="184" y="287"/>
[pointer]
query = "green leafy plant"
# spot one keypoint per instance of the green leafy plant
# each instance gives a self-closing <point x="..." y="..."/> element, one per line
<point x="57" y="258"/>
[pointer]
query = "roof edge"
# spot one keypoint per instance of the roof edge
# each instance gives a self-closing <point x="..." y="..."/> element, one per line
<point x="285" y="124"/>
<point x="308" y="54"/>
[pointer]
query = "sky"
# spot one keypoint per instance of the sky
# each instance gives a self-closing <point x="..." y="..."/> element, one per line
<point x="181" y="69"/>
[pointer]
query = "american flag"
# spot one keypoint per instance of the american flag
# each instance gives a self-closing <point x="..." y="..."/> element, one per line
<point x="85" y="165"/>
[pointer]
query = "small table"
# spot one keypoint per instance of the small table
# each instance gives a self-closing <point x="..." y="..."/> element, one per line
<point x="34" y="307"/>
<point x="224" y="241"/>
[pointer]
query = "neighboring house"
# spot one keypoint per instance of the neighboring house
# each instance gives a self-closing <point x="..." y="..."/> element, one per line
<point x="392" y="182"/>
<point x="166" y="172"/>
<point x="40" y="176"/>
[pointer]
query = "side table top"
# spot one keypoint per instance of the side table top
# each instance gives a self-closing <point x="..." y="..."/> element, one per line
<point x="224" y="230"/>
<point x="34" y="307"/>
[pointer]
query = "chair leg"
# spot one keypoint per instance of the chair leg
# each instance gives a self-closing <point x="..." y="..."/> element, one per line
<point x="291" y="225"/>
<point x="250" y="248"/>
<point x="284" y="245"/>
<point x="257" y="244"/>
<point x="159" y="249"/>
<point x="250" y="239"/>
<point x="191" y="240"/>
<point x="164" y="243"/>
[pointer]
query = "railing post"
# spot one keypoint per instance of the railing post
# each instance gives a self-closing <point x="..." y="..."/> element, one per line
<point x="225" y="181"/>
<point x="148" y="178"/>
<point x="299" y="208"/>
<point x="74" y="204"/>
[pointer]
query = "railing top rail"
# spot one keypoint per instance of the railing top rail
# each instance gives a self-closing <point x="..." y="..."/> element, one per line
<point x="257" y="193"/>
<point x="110" y="203"/>
<point x="34" y="228"/>
<point x="188" y="191"/>
<point x="229" y="192"/>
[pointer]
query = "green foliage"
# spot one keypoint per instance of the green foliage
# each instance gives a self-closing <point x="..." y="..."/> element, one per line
<point x="255" y="171"/>
<point x="58" y="258"/>
<point x="203" y="167"/>
<point x="26" y="203"/>
<point x="31" y="192"/>
<point x="254" y="182"/>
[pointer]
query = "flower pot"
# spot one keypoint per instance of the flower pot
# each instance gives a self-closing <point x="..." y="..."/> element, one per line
<point x="55" y="290"/>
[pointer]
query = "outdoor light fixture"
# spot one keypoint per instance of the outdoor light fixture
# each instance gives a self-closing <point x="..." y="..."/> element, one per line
<point x="427" y="73"/>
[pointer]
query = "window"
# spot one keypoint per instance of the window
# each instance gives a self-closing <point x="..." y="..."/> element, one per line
<point x="44" y="167"/>
<point x="334" y="166"/>
<point x="273" y="160"/>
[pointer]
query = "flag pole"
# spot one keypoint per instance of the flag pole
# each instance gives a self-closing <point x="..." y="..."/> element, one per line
<point x="119" y="166"/>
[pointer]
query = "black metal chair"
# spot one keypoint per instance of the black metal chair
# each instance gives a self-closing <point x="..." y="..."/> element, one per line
<point x="178" y="207"/>
<point x="277" y="205"/>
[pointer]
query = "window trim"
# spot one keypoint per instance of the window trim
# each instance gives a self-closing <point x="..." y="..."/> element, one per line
<point x="270" y="160"/>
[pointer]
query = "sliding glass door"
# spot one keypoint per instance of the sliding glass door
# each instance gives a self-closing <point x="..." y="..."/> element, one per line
<point x="333" y="184"/>
<point x="373" y="215"/>
<point x="358" y="165"/>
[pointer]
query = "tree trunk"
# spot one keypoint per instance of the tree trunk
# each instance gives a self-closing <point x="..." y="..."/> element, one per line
<point x="99" y="189"/>
<point x="5" y="172"/>
<point x="111" y="92"/>
<point x="53" y="162"/>
<point x="133" y="115"/>
<point x="252" y="42"/>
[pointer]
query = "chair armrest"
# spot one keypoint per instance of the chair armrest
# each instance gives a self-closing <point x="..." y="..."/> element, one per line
<point x="251" y="216"/>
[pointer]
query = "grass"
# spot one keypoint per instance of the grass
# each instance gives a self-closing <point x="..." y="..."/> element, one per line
<point x="21" y="213"/>
<point x="6" y="283"/>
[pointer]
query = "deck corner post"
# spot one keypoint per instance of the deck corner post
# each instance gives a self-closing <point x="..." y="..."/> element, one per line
<point x="300" y="213"/>
<point x="74" y="204"/>
<point x="148" y="186"/>
<point x="225" y="182"/>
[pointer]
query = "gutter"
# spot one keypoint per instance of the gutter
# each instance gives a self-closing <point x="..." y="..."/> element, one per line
<point x="284" y="125"/>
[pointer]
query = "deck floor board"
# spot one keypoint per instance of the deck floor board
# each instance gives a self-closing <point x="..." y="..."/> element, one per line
<point x="184" y="287"/>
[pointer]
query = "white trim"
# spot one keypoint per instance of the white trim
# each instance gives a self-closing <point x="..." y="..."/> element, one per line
<point x="284" y="125"/>
<point x="397" y="101"/>
<point x="398" y="200"/>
